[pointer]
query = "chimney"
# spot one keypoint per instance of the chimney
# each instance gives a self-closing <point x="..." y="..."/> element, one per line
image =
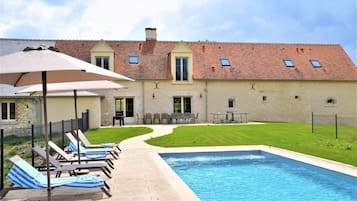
<point x="150" y="34"/>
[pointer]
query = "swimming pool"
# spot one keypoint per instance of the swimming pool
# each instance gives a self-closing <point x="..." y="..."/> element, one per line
<point x="258" y="175"/>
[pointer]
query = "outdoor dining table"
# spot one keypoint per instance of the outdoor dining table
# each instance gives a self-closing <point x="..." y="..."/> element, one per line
<point x="230" y="117"/>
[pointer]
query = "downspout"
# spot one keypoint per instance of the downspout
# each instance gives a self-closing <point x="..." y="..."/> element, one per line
<point x="39" y="112"/>
<point x="143" y="97"/>
<point x="206" y="101"/>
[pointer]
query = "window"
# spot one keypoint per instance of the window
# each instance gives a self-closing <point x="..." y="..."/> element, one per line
<point x="331" y="101"/>
<point x="181" y="69"/>
<point x="225" y="62"/>
<point x="182" y="104"/>
<point x="264" y="98"/>
<point x="315" y="63"/>
<point x="231" y="103"/>
<point x="102" y="62"/>
<point x="288" y="63"/>
<point x="125" y="106"/>
<point x="133" y="59"/>
<point x="8" y="111"/>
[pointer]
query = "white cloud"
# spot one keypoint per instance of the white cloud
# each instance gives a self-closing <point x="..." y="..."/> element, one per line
<point x="228" y="20"/>
<point x="93" y="19"/>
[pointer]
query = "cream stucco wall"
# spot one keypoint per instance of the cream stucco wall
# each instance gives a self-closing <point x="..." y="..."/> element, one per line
<point x="285" y="100"/>
<point x="291" y="101"/>
<point x="163" y="90"/>
<point x="134" y="90"/>
<point x="62" y="108"/>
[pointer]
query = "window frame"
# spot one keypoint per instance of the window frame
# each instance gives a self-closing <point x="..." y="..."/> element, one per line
<point x="315" y="61"/>
<point x="125" y="105"/>
<point x="225" y="62"/>
<point x="182" y="69"/>
<point x="10" y="113"/>
<point x="136" y="61"/>
<point x="103" y="62"/>
<point x="184" y="102"/>
<point x="288" y="63"/>
<point x="231" y="103"/>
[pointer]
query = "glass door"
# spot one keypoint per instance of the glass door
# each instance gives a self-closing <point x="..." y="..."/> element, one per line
<point x="125" y="106"/>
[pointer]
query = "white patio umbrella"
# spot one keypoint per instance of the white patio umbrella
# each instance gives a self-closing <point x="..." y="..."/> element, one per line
<point x="46" y="65"/>
<point x="73" y="86"/>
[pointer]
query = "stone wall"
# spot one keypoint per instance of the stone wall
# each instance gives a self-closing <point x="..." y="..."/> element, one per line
<point x="26" y="114"/>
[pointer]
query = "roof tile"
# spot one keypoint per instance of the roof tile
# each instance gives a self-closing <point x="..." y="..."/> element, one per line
<point x="249" y="61"/>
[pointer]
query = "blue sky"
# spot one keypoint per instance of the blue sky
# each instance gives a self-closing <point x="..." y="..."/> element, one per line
<point x="282" y="21"/>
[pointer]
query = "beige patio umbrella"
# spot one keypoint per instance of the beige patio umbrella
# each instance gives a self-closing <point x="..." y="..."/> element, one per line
<point x="73" y="86"/>
<point x="46" y="65"/>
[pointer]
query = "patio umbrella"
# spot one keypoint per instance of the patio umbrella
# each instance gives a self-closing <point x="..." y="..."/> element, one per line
<point x="73" y="86"/>
<point x="46" y="65"/>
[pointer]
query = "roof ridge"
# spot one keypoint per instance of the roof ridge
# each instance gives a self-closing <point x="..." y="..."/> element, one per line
<point x="172" y="41"/>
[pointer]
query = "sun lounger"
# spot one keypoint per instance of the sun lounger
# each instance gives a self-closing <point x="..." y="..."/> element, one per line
<point x="23" y="175"/>
<point x="73" y="146"/>
<point x="73" y="168"/>
<point x="87" y="144"/>
<point x="71" y="158"/>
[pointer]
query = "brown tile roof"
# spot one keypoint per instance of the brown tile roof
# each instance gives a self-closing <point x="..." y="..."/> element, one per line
<point x="249" y="61"/>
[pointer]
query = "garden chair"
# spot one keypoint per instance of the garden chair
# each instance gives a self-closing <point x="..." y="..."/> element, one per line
<point x="165" y="118"/>
<point x="23" y="175"/>
<point x="62" y="156"/>
<point x="87" y="144"/>
<point x="148" y="118"/>
<point x="73" y="146"/>
<point x="73" y="168"/>
<point x="156" y="119"/>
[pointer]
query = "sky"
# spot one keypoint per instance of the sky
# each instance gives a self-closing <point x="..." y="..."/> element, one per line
<point x="263" y="21"/>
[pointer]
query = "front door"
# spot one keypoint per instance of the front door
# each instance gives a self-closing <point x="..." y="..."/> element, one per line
<point x="125" y="105"/>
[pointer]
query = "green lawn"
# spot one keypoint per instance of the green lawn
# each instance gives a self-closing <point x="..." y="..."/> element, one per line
<point x="291" y="136"/>
<point x="116" y="135"/>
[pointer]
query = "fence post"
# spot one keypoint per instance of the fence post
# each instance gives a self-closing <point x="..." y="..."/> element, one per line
<point x="2" y="158"/>
<point x="50" y="130"/>
<point x="32" y="144"/>
<point x="312" y="122"/>
<point x="83" y="126"/>
<point x="62" y="134"/>
<point x="87" y="119"/>
<point x="336" y="126"/>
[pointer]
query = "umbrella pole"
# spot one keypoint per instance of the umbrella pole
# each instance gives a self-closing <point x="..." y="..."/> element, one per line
<point x="44" y="90"/>
<point x="76" y="125"/>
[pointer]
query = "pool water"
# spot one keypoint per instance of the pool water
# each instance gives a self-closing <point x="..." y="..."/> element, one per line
<point x="258" y="175"/>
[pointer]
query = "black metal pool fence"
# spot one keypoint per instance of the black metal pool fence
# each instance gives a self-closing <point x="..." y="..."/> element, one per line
<point x="56" y="132"/>
<point x="336" y="121"/>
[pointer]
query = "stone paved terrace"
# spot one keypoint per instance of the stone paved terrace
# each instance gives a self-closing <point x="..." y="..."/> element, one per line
<point x="138" y="176"/>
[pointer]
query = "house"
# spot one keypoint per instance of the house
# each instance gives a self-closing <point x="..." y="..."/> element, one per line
<point x="268" y="81"/>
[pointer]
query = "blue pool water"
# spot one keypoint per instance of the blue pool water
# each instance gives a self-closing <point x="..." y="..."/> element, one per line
<point x="258" y="175"/>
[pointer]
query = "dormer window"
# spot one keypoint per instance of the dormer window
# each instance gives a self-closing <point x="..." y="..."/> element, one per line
<point x="102" y="62"/>
<point x="133" y="59"/>
<point x="288" y="63"/>
<point x="181" y="69"/>
<point x="225" y="62"/>
<point x="180" y="63"/>
<point x="102" y="55"/>
<point x="315" y="63"/>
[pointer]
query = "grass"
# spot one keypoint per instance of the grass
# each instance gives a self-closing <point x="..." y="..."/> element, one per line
<point x="292" y="136"/>
<point x="116" y="135"/>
